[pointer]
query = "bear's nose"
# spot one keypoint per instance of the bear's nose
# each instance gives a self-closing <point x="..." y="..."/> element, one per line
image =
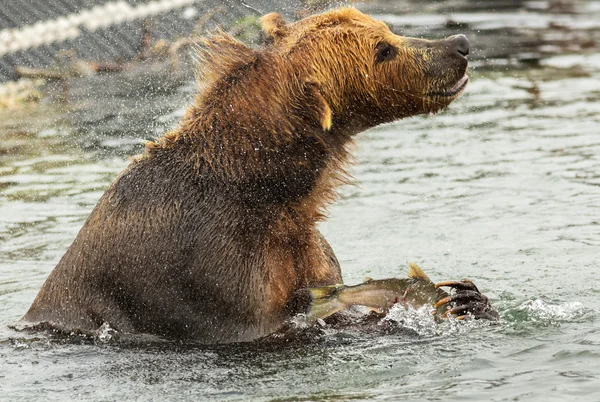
<point x="461" y="44"/>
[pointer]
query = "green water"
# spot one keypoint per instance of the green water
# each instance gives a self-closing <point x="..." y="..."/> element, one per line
<point x="503" y="187"/>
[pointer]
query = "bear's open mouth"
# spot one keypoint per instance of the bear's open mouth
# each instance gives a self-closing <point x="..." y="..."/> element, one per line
<point x="459" y="86"/>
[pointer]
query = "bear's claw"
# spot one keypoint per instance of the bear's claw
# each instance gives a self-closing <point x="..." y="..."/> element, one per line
<point x="466" y="301"/>
<point x="465" y="284"/>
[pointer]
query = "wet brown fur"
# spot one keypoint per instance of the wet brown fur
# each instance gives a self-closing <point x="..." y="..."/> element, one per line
<point x="211" y="231"/>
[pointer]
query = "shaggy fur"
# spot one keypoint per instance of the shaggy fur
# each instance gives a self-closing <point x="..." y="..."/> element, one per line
<point x="212" y="231"/>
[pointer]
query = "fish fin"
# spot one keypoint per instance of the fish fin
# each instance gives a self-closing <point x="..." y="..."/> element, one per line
<point x="323" y="292"/>
<point x="367" y="279"/>
<point x="324" y="307"/>
<point x="416" y="273"/>
<point x="325" y="302"/>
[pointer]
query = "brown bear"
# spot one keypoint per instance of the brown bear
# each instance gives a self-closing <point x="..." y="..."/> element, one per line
<point x="211" y="232"/>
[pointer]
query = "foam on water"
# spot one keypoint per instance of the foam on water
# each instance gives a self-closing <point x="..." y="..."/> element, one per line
<point x="540" y="310"/>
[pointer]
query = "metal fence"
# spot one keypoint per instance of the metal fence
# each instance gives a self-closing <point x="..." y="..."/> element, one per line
<point x="34" y="32"/>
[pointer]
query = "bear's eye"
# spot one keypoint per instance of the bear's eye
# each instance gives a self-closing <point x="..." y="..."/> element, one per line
<point x="385" y="52"/>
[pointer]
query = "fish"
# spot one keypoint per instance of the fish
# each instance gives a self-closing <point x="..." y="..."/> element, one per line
<point x="415" y="291"/>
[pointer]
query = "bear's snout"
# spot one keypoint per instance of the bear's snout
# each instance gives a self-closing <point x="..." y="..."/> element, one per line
<point x="456" y="46"/>
<point x="460" y="44"/>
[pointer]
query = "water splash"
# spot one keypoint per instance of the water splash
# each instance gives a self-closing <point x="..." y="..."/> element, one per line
<point x="423" y="323"/>
<point x="527" y="317"/>
<point x="20" y="344"/>
<point x="300" y="321"/>
<point x="418" y="320"/>
<point x="106" y="333"/>
<point x="538" y="310"/>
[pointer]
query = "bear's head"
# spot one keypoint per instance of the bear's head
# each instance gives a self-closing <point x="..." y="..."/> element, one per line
<point x="366" y="74"/>
<point x="341" y="68"/>
<point x="324" y="78"/>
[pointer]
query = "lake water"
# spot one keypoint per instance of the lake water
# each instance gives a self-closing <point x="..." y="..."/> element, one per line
<point x="503" y="187"/>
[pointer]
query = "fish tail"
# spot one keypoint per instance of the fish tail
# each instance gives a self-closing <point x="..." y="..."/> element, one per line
<point x="323" y="308"/>
<point x="322" y="292"/>
<point x="325" y="302"/>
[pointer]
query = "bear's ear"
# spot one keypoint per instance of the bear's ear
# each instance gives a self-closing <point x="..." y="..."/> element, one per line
<point x="315" y="105"/>
<point x="273" y="26"/>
